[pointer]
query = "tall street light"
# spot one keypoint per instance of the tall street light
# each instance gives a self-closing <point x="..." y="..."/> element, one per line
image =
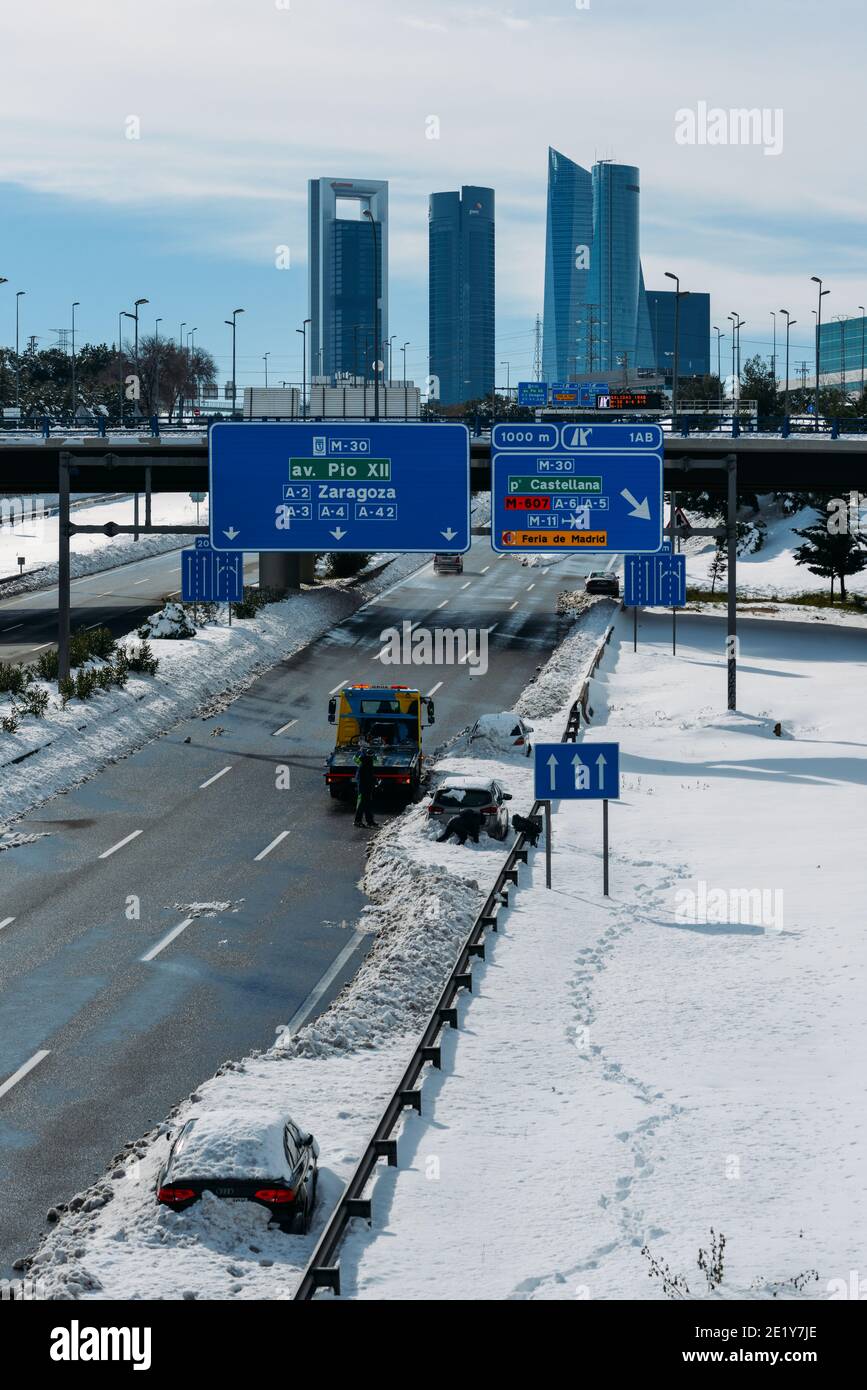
<point x="124" y="314"/>
<point x="369" y="215"/>
<point x="232" y="324"/>
<point x="719" y="338"/>
<point x="817" y="281"/>
<point x="407" y="344"/>
<point x="191" y="348"/>
<point x="774" y="353"/>
<point x="676" y="365"/>
<point x="391" y="356"/>
<point x="303" y="331"/>
<point x="508" y="368"/>
<point x="157" y="368"/>
<point x="75" y="305"/>
<point x="136" y="306"/>
<point x="789" y="322"/>
<point x="737" y="325"/>
<point x="265" y="357"/>
<point x="18" y="295"/>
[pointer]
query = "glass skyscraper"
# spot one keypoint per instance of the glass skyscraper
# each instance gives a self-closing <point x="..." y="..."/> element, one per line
<point x="596" y="318"/>
<point x="461" y="293"/>
<point x="694" y="347"/>
<point x="344" y="275"/>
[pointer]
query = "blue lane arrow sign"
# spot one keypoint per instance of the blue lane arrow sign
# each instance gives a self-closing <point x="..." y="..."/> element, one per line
<point x="655" y="581"/>
<point x="577" y="771"/>
<point x="211" y="576"/>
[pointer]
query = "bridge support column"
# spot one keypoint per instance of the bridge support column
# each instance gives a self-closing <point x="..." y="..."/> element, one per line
<point x="279" y="570"/>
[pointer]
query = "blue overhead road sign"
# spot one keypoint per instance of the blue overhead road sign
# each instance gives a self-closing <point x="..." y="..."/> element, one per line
<point x="533" y="393"/>
<point x="599" y="488"/>
<point x="211" y="576"/>
<point x="320" y="486"/>
<point x="655" y="581"/>
<point x="577" y="771"/>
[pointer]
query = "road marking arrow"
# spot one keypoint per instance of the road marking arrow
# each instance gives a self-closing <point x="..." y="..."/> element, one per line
<point x="231" y="533"/>
<point x="552" y="771"/>
<point x="338" y="533"/>
<point x="639" y="509"/>
<point x="449" y="534"/>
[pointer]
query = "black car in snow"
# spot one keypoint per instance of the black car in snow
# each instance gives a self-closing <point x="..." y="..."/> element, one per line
<point x="602" y="582"/>
<point x="243" y="1156"/>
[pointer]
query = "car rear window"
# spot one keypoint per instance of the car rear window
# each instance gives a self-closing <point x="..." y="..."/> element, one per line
<point x="458" y="797"/>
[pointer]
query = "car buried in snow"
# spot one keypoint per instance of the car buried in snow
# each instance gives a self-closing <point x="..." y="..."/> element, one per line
<point x="482" y="794"/>
<point x="243" y="1157"/>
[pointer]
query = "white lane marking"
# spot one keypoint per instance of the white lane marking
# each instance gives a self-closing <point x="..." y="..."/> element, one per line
<point x="423" y="569"/>
<point x="432" y="691"/>
<point x="120" y="844"/>
<point x="284" y="727"/>
<point x="468" y="654"/>
<point x="39" y="649"/>
<point x="513" y="605"/>
<point x="318" y="990"/>
<point x="273" y="845"/>
<point x="338" y="687"/>
<point x="141" y="581"/>
<point x="467" y="585"/>
<point x="12" y="628"/>
<point x="216" y="777"/>
<point x="7" y="922"/>
<point x="443" y="604"/>
<point x="386" y="648"/>
<point x="501" y="557"/>
<point x="166" y="940"/>
<point x="485" y="570"/>
<point x="20" y="1074"/>
<point x="91" y="626"/>
<point x="531" y="586"/>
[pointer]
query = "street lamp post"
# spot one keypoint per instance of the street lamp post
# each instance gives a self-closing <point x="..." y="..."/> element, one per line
<point x="124" y="314"/>
<point x="265" y="357"/>
<point x="157" y="368"/>
<point x="75" y="305"/>
<point x="406" y="345"/>
<point x="18" y="295"/>
<point x="789" y="322"/>
<point x="774" y="353"/>
<point x="136" y="305"/>
<point x="191" y="348"/>
<point x="676" y="365"/>
<point x="369" y="215"/>
<point x="508" y="379"/>
<point x="719" y="338"/>
<point x="303" y="331"/>
<point x="232" y="324"/>
<point x="181" y="351"/>
<point x="817" y="281"/>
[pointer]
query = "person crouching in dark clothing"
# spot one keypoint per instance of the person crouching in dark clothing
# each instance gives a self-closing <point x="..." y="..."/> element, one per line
<point x="466" y="824"/>
<point x="365" y="785"/>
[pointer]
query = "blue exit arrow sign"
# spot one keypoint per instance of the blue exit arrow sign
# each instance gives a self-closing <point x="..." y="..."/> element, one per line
<point x="577" y="771"/>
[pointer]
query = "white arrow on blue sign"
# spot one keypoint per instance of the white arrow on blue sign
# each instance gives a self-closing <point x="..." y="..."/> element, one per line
<point x="577" y="771"/>
<point x="211" y="576"/>
<point x="655" y="581"/>
<point x="317" y="486"/>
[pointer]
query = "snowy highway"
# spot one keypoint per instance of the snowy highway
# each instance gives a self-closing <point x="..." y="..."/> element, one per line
<point x="178" y="907"/>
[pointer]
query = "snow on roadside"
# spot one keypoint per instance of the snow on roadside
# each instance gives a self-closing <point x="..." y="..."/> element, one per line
<point x="333" y="1076"/>
<point x="634" y="1071"/>
<point x="70" y="745"/>
<point x="37" y="541"/>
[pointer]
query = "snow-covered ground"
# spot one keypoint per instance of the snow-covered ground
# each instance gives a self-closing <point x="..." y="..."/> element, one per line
<point x="72" y="744"/>
<point x="633" y="1072"/>
<point x="770" y="572"/>
<point x="35" y="538"/>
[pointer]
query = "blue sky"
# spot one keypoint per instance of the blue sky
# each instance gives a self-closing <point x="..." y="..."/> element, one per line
<point x="238" y="102"/>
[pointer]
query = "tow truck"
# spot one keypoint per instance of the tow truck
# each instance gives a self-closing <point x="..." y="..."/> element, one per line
<point x="388" y="719"/>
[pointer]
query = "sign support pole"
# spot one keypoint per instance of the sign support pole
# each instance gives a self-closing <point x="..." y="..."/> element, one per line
<point x="547" y="844"/>
<point x="63" y="570"/>
<point x="674" y="549"/>
<point x="635" y="628"/>
<point x="732" y="535"/>
<point x="605" y="848"/>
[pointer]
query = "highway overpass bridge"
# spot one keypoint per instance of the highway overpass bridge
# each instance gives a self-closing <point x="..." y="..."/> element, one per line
<point x="140" y="463"/>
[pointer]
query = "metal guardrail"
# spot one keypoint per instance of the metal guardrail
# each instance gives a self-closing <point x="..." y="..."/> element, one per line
<point x="322" y="1272"/>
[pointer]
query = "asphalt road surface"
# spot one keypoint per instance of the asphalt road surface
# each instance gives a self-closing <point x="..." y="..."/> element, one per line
<point x="118" y="599"/>
<point x="107" y="1019"/>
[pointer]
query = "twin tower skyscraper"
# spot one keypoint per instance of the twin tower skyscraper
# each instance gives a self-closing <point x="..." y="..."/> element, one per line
<point x="596" y="315"/>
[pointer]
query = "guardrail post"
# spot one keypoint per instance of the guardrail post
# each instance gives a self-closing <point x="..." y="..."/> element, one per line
<point x="386" y="1148"/>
